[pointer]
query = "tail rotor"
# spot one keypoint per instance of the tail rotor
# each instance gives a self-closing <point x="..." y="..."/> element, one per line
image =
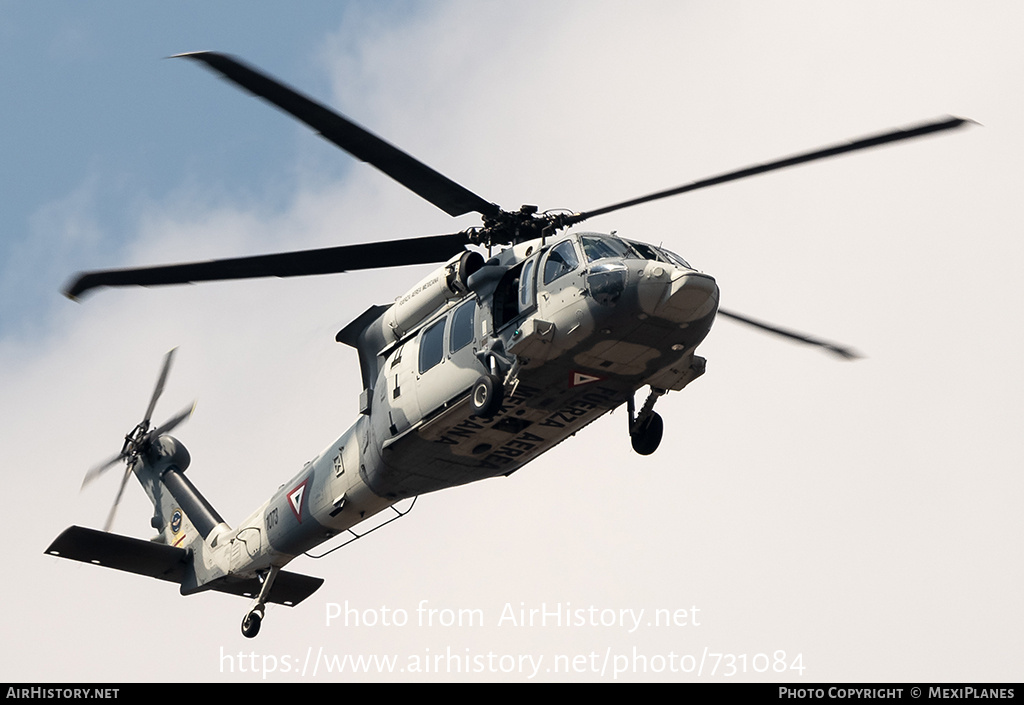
<point x="139" y="440"/>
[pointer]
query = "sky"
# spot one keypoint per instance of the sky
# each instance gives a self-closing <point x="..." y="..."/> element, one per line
<point x="804" y="520"/>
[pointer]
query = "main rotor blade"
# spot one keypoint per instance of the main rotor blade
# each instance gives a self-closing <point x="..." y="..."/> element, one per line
<point x="416" y="176"/>
<point x="328" y="260"/>
<point x="928" y="128"/>
<point x="840" y="350"/>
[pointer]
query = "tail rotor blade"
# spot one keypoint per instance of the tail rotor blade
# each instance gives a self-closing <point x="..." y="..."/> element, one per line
<point x="170" y="424"/>
<point x="158" y="390"/>
<point x="117" y="499"/>
<point x="98" y="470"/>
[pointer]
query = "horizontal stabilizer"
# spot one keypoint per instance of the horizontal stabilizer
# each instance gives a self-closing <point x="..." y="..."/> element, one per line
<point x="288" y="589"/>
<point x="168" y="563"/>
<point x="156" y="560"/>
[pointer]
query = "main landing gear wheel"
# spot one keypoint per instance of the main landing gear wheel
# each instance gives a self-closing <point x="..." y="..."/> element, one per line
<point x="486" y="396"/>
<point x="647" y="437"/>
<point x="251" y="624"/>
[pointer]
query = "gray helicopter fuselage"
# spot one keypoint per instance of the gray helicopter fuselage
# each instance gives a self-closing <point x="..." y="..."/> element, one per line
<point x="574" y="326"/>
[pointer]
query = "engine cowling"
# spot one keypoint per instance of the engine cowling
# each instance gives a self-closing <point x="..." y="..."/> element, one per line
<point x="444" y="284"/>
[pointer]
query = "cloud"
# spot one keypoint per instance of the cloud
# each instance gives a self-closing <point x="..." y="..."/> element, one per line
<point x="802" y="505"/>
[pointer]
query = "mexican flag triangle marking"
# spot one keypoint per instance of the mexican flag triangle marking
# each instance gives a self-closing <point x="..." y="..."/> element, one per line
<point x="577" y="379"/>
<point x="295" y="499"/>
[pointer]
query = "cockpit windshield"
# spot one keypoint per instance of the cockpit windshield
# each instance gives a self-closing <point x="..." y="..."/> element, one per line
<point x="659" y="254"/>
<point x="674" y="258"/>
<point x="601" y="247"/>
<point x="597" y="247"/>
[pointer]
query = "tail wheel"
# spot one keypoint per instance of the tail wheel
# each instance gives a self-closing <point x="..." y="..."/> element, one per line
<point x="647" y="437"/>
<point x="487" y="396"/>
<point x="251" y="624"/>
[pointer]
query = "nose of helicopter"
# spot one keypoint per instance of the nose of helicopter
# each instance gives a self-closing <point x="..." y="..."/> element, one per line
<point x="679" y="295"/>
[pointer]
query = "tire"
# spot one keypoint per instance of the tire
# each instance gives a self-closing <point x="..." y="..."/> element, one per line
<point x="251" y="625"/>
<point x="647" y="438"/>
<point x="486" y="396"/>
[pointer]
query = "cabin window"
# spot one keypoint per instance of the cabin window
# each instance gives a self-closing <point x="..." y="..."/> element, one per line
<point x="462" y="327"/>
<point x="431" y="346"/>
<point x="561" y="260"/>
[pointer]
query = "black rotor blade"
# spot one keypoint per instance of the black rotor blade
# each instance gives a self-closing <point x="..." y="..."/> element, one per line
<point x="98" y="470"/>
<point x="835" y="150"/>
<point x="840" y="350"/>
<point x="416" y="176"/>
<point x="117" y="500"/>
<point x="159" y="389"/>
<point x="328" y="260"/>
<point x="171" y="423"/>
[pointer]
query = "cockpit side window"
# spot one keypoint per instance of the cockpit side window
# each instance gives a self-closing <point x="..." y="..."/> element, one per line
<point x="560" y="261"/>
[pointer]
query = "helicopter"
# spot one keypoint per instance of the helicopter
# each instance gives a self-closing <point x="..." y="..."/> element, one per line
<point x="526" y="331"/>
